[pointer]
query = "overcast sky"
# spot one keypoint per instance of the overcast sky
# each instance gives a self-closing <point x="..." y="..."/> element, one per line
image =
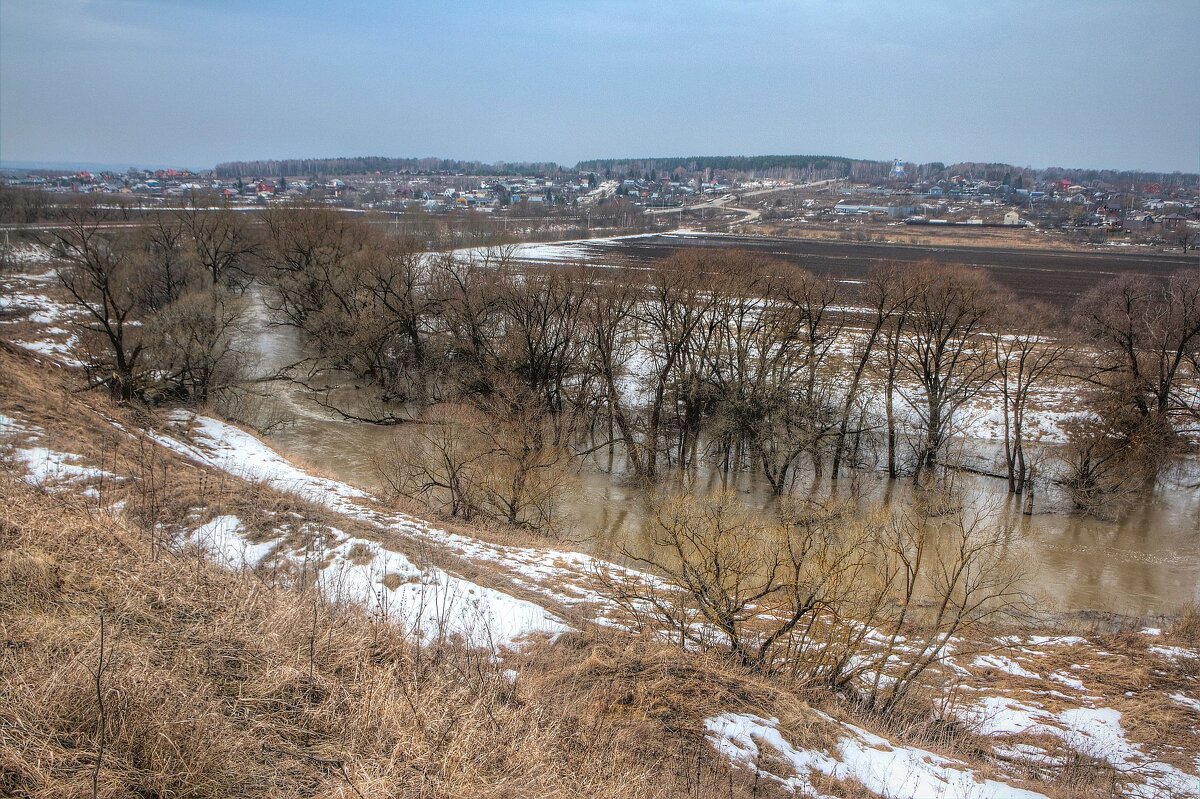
<point x="193" y="82"/>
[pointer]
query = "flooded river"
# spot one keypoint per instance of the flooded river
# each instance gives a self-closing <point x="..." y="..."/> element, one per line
<point x="1145" y="562"/>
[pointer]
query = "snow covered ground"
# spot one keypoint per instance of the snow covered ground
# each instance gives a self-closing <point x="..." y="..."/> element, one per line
<point x="224" y="540"/>
<point x="47" y="468"/>
<point x="22" y="253"/>
<point x="429" y="601"/>
<point x="880" y="766"/>
<point x="432" y="603"/>
<point x="571" y="251"/>
<point x="43" y="321"/>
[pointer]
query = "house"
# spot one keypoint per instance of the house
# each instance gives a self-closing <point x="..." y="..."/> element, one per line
<point x="1174" y="222"/>
<point x="1012" y="219"/>
<point x="1138" y="221"/>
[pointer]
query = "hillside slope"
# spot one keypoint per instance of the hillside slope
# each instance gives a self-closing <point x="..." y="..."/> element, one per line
<point x="186" y="613"/>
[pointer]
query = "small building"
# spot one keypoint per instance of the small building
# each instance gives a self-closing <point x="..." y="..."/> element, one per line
<point x="1174" y="222"/>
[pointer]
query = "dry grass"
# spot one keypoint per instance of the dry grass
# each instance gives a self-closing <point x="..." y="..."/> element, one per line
<point x="1186" y="626"/>
<point x="222" y="684"/>
<point x="214" y="684"/>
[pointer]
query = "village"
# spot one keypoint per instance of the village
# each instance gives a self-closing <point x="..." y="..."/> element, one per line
<point x="1133" y="210"/>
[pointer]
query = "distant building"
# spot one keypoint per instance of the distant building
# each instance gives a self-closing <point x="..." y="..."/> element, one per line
<point x="1174" y="222"/>
<point x="862" y="210"/>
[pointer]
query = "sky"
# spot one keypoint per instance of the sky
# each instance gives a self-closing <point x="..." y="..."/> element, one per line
<point x="1073" y="83"/>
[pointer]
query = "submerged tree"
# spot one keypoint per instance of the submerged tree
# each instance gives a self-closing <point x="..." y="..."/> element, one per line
<point x="940" y="351"/>
<point x="1144" y="342"/>
<point x="887" y="294"/>
<point x="1027" y="356"/>
<point x="866" y="603"/>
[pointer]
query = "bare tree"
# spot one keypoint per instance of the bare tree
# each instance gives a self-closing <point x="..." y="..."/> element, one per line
<point x="156" y="327"/>
<point x="731" y="564"/>
<point x="946" y="574"/>
<point x="224" y="243"/>
<point x="1109" y="455"/>
<point x="499" y="458"/>
<point x="469" y="322"/>
<point x="528" y="468"/>
<point x="865" y="603"/>
<point x="1144" y="337"/>
<point x="193" y="346"/>
<point x="542" y="340"/>
<point x="609" y="324"/>
<point x="820" y="324"/>
<point x="441" y="466"/>
<point x="99" y="271"/>
<point x="305" y="260"/>
<point x="169" y="265"/>
<point x="941" y="352"/>
<point x="1026" y="358"/>
<point x="889" y="300"/>
<point x="671" y="312"/>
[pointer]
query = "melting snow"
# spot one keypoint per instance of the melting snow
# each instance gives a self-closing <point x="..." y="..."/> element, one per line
<point x="60" y="351"/>
<point x="1186" y="701"/>
<point x="45" y="466"/>
<point x="1095" y="732"/>
<point x="1004" y="664"/>
<point x="1174" y="652"/>
<point x="429" y="601"/>
<point x="885" y="769"/>
<point x="223" y="539"/>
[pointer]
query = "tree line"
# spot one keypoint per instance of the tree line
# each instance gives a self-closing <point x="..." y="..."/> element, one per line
<point x="727" y="360"/>
<point x="752" y="164"/>
<point x="720" y="359"/>
<point x="368" y="164"/>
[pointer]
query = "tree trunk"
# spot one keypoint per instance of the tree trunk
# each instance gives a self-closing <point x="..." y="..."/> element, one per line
<point x="1027" y="509"/>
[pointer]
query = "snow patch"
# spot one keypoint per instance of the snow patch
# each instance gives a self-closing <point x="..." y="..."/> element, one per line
<point x="1007" y="665"/>
<point x="223" y="539"/>
<point x="430" y="602"/>
<point x="1186" y="701"/>
<point x="1067" y="680"/>
<point x="47" y="467"/>
<point x="885" y="769"/>
<point x="1174" y="652"/>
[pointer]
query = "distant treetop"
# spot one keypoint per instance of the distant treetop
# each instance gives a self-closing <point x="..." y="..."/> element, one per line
<point x="367" y="164"/>
<point x="737" y="163"/>
<point x="785" y="167"/>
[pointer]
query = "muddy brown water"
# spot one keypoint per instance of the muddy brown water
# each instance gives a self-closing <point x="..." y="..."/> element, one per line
<point x="1144" y="563"/>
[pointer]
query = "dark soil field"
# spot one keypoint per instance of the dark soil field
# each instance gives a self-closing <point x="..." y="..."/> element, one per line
<point x="1055" y="276"/>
